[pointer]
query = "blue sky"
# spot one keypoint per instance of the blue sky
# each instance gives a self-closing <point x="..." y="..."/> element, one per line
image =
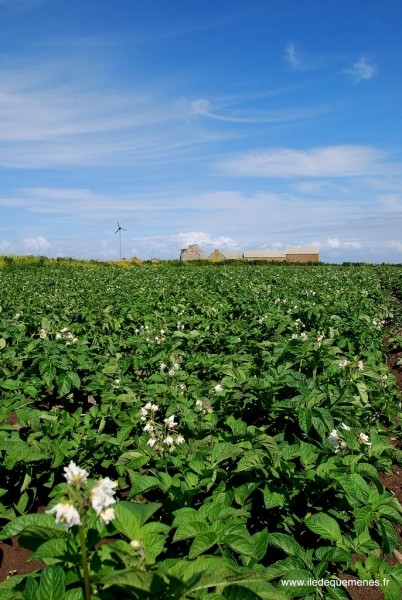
<point x="231" y="124"/>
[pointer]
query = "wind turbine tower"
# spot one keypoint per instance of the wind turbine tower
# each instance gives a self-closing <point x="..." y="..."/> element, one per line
<point x="119" y="230"/>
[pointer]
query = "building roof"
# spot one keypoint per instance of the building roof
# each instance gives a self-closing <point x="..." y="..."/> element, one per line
<point x="264" y="254"/>
<point x="193" y="249"/>
<point x="231" y="255"/>
<point x="216" y="255"/>
<point x="302" y="251"/>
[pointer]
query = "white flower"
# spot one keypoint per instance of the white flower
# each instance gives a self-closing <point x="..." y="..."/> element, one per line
<point x="170" y="422"/>
<point x="162" y="366"/>
<point x="171" y="372"/>
<point x="334" y="438"/>
<point x="294" y="336"/>
<point x="343" y="363"/>
<point x="75" y="475"/>
<point x="149" y="427"/>
<point x="218" y="388"/>
<point x="179" y="439"/>
<point x="345" y="427"/>
<point x="43" y="334"/>
<point x="199" y="403"/>
<point x="136" y="544"/>
<point x="342" y="446"/>
<point x="364" y="439"/>
<point x="154" y="407"/>
<point x="66" y="513"/>
<point x="176" y="366"/>
<point x="103" y="494"/>
<point x="107" y="515"/>
<point x="115" y="384"/>
<point x="303" y="336"/>
<point x="169" y="441"/>
<point x="151" y="442"/>
<point x="320" y="337"/>
<point x="336" y="442"/>
<point x="360" y="365"/>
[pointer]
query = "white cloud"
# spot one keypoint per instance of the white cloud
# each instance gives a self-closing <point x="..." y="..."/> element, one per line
<point x="203" y="108"/>
<point x="37" y="243"/>
<point x="291" y="55"/>
<point x="362" y="70"/>
<point x="396" y="245"/>
<point x="336" y="243"/>
<point x="329" y="161"/>
<point x="4" y="245"/>
<point x="204" y="239"/>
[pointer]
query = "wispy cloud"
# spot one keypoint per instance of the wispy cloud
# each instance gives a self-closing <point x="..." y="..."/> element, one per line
<point x="291" y="56"/>
<point x="336" y="243"/>
<point x="329" y="161"/>
<point x="79" y="121"/>
<point x="396" y="245"/>
<point x="362" y="70"/>
<point x="37" y="243"/>
<point x="203" y="108"/>
<point x="205" y="239"/>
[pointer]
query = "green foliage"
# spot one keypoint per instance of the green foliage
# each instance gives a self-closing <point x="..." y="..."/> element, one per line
<point x="276" y="377"/>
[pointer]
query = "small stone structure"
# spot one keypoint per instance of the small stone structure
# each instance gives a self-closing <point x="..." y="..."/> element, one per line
<point x="193" y="252"/>
<point x="216" y="256"/>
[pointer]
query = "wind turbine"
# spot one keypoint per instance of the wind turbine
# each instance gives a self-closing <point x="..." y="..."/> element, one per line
<point x="119" y="230"/>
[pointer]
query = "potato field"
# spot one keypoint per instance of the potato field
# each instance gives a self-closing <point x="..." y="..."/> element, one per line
<point x="195" y="431"/>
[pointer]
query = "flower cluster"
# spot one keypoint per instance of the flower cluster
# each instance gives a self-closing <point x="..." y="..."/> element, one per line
<point x="344" y="363"/>
<point x="175" y="366"/>
<point x="338" y="444"/>
<point x="302" y="336"/>
<point x="43" y="334"/>
<point x="145" y="330"/>
<point x="204" y="406"/>
<point x="378" y="323"/>
<point x="363" y="438"/>
<point x="162" y="434"/>
<point x="100" y="497"/>
<point x="66" y="335"/>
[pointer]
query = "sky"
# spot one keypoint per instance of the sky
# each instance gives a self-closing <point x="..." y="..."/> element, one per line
<point x="257" y="125"/>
